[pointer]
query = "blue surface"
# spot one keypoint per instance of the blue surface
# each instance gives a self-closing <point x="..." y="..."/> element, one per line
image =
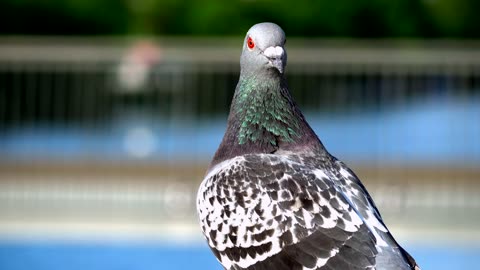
<point x="48" y="256"/>
<point x="51" y="256"/>
<point x="438" y="130"/>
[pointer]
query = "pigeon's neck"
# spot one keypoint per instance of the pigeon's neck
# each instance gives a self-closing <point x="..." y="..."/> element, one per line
<point x="265" y="112"/>
<point x="264" y="119"/>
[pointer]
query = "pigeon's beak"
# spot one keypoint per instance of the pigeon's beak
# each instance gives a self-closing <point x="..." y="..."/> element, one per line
<point x="276" y="57"/>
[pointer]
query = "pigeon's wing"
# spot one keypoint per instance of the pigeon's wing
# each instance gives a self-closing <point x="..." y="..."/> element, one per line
<point x="359" y="198"/>
<point x="273" y="212"/>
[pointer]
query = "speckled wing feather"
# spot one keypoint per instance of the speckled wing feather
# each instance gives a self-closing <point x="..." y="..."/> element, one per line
<point x="288" y="212"/>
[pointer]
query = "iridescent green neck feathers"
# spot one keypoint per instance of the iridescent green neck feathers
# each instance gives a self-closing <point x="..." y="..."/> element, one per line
<point x="264" y="119"/>
<point x="265" y="113"/>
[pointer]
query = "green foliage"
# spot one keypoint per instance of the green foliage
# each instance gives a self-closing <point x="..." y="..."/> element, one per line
<point x="340" y="18"/>
<point x="68" y="17"/>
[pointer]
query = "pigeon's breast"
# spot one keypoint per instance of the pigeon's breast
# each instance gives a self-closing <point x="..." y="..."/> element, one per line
<point x="252" y="207"/>
<point x="233" y="208"/>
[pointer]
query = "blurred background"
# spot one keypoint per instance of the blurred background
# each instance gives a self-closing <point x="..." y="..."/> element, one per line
<point x="110" y="112"/>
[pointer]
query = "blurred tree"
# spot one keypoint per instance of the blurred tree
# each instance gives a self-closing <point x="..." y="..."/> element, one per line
<point x="456" y="18"/>
<point x="68" y="17"/>
<point x="341" y="18"/>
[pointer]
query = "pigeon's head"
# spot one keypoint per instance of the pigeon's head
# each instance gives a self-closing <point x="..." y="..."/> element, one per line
<point x="264" y="49"/>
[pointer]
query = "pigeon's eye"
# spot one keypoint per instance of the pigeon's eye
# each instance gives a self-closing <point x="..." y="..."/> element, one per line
<point x="250" y="43"/>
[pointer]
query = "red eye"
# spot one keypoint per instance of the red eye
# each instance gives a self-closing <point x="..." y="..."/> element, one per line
<point x="250" y="43"/>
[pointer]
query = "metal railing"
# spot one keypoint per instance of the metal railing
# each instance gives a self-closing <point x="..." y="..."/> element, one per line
<point x="126" y="128"/>
<point x="76" y="86"/>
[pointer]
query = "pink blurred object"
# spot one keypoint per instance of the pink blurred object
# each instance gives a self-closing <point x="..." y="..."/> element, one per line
<point x="136" y="65"/>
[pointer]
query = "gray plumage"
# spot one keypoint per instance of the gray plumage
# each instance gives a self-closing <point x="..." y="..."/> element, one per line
<point x="273" y="197"/>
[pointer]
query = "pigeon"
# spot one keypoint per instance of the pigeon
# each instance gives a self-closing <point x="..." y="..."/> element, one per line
<point x="273" y="197"/>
